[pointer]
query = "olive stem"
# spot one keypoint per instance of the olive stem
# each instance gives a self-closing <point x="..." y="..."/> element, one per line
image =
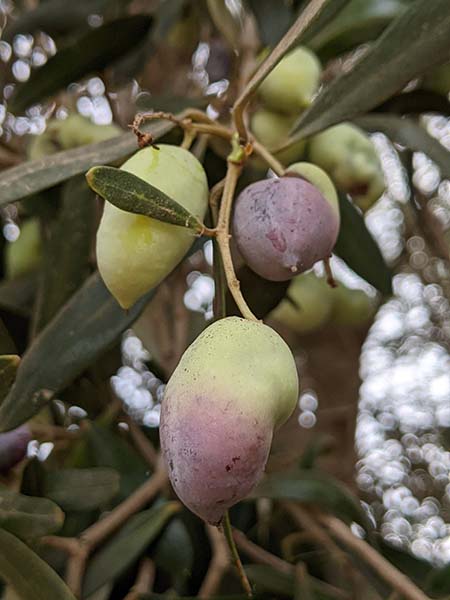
<point x="228" y="532"/>
<point x="283" y="46"/>
<point x="223" y="238"/>
<point x="219" y="273"/>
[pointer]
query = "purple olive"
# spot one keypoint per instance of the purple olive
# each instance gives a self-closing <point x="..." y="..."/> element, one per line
<point x="283" y="226"/>
<point x="13" y="447"/>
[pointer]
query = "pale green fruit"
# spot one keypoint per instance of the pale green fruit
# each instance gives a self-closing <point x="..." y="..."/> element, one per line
<point x="64" y="134"/>
<point x="291" y="86"/>
<point x="232" y="387"/>
<point x="134" y="252"/>
<point x="25" y="254"/>
<point x="319" y="179"/>
<point x="272" y="129"/>
<point x="352" y="307"/>
<point x="308" y="305"/>
<point x="438" y="80"/>
<point x="347" y="154"/>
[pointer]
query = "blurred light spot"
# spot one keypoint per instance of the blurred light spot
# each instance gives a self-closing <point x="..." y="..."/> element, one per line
<point x="21" y="70"/>
<point x="307" y="419"/>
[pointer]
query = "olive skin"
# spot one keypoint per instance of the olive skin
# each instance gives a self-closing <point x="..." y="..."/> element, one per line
<point x="135" y="252"/>
<point x="272" y="129"/>
<point x="308" y="306"/>
<point x="348" y="155"/>
<point x="283" y="226"/>
<point x="232" y="387"/>
<point x="13" y="447"/>
<point x="290" y="87"/>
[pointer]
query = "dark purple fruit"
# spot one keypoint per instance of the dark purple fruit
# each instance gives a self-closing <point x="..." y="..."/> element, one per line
<point x="283" y="226"/>
<point x="13" y="447"/>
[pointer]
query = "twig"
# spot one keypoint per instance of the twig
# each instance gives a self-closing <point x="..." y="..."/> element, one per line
<point x="235" y="555"/>
<point x="309" y="523"/>
<point x="223" y="238"/>
<point x="52" y="432"/>
<point x="80" y="548"/>
<point x="96" y="533"/>
<point x="260" y="555"/>
<point x="144" y="580"/>
<point x="283" y="46"/>
<point x="395" y="578"/>
<point x="142" y="443"/>
<point x="218" y="565"/>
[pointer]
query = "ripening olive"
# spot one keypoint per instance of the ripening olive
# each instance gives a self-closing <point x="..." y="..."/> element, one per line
<point x="232" y="387"/>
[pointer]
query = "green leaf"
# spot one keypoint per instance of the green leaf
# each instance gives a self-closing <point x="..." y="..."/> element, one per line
<point x="55" y="17"/>
<point x="415" y="102"/>
<point x="132" y="194"/>
<point x="414" y="42"/>
<point x="9" y="363"/>
<point x="127" y="545"/>
<point x="85" y="327"/>
<point x="36" y="175"/>
<point x="268" y="579"/>
<point x="29" y="576"/>
<point x="409" y="133"/>
<point x="81" y="489"/>
<point x="174" y="553"/>
<point x="311" y="486"/>
<point x="67" y="251"/>
<point x="27" y="516"/>
<point x="90" y="53"/>
<point x="328" y="14"/>
<point x="358" y="249"/>
<point x="7" y="345"/>
<point x="359" y="22"/>
<point x="273" y="19"/>
<point x="108" y="449"/>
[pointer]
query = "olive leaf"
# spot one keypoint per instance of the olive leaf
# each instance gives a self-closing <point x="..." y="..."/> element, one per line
<point x="91" y="52"/>
<point x="81" y="489"/>
<point x="132" y="194"/>
<point x="360" y="21"/>
<point x="356" y="246"/>
<point x="27" y="516"/>
<point x="29" y="576"/>
<point x="315" y="487"/>
<point x="9" y="363"/>
<point x="84" y="328"/>
<point x="127" y="545"/>
<point x="411" y="134"/>
<point x="414" y="42"/>
<point x="36" y="175"/>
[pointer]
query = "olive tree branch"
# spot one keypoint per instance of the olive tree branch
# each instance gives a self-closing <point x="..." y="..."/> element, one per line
<point x="284" y="45"/>
<point x="223" y="236"/>
<point x="80" y="548"/>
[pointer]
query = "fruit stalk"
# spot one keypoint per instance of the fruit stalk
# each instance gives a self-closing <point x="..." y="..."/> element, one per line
<point x="228" y="532"/>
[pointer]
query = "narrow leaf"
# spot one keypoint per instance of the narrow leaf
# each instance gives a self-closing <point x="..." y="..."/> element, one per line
<point x="409" y="133"/>
<point x="108" y="449"/>
<point x="81" y="489"/>
<point x="55" y="17"/>
<point x="86" y="326"/>
<point x="125" y="547"/>
<point x="359" y="22"/>
<point x="414" y="42"/>
<point x="132" y="194"/>
<point x="358" y="249"/>
<point x="29" y="576"/>
<point x="67" y="251"/>
<point x="90" y="53"/>
<point x="313" y="487"/>
<point x="273" y="18"/>
<point x="9" y="363"/>
<point x="330" y="13"/>
<point x="36" y="175"/>
<point x="27" y="516"/>
<point x="7" y="345"/>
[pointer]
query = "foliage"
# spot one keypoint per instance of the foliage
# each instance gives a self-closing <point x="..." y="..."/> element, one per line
<point x="97" y="518"/>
